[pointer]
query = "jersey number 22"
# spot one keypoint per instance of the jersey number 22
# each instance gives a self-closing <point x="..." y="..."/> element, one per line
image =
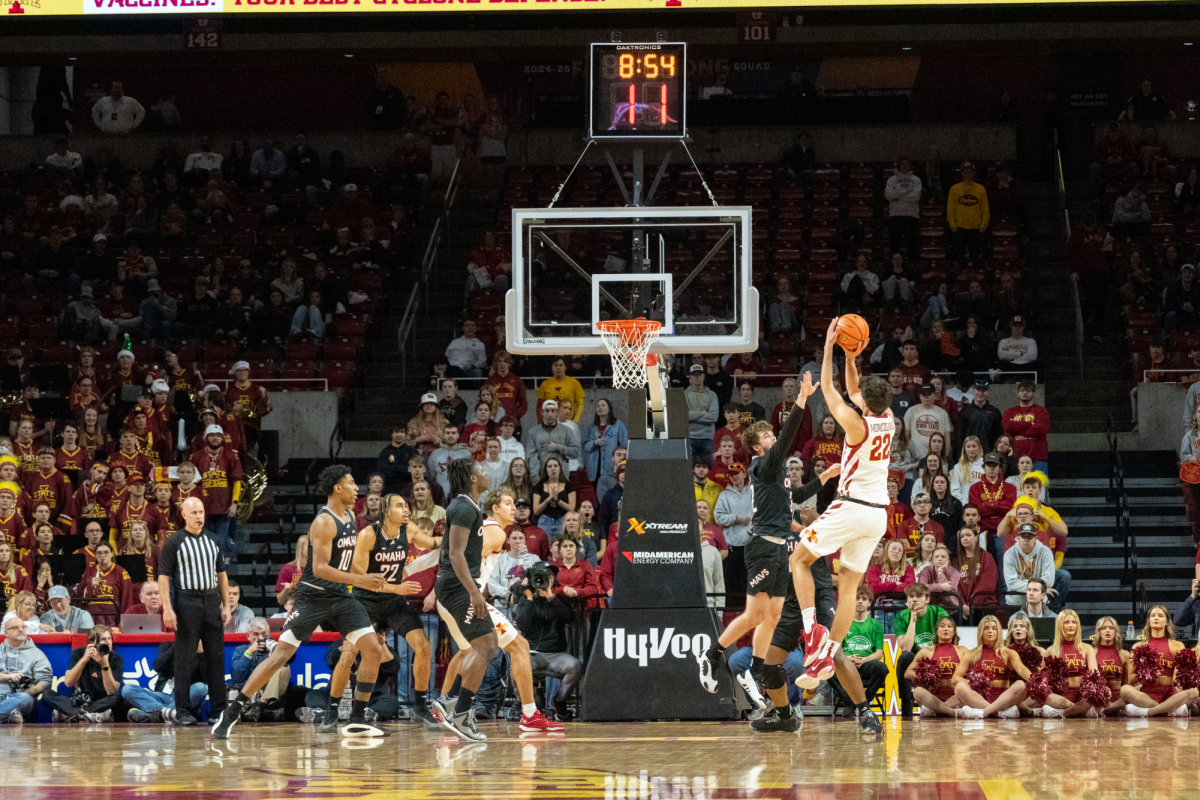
<point x="881" y="448"/>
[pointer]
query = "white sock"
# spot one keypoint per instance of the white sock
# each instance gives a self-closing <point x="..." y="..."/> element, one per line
<point x="810" y="616"/>
<point x="832" y="649"/>
<point x="529" y="709"/>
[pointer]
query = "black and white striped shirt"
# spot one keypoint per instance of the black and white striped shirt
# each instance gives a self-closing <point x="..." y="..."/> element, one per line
<point x="192" y="561"/>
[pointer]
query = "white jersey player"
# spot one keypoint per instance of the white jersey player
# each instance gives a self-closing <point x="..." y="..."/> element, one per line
<point x="854" y="523"/>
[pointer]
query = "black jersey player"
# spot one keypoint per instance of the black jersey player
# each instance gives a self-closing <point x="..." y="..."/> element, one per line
<point x="323" y="599"/>
<point x="767" y="575"/>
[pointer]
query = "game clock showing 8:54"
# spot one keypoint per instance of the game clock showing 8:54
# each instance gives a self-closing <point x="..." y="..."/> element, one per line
<point x="638" y="91"/>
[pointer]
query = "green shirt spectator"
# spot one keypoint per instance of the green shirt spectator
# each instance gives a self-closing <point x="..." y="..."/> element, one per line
<point x="864" y="638"/>
<point x="925" y="628"/>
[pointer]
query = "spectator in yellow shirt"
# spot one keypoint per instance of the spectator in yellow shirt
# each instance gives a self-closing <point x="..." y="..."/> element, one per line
<point x="967" y="215"/>
<point x="561" y="387"/>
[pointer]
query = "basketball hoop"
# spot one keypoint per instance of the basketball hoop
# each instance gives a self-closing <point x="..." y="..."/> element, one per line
<point x="628" y="342"/>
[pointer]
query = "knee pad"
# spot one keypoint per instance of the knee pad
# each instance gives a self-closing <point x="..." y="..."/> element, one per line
<point x="774" y="676"/>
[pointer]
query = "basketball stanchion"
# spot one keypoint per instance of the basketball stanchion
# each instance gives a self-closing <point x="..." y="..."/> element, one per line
<point x="658" y="620"/>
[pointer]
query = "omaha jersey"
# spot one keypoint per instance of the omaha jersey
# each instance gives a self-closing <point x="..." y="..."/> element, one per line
<point x="388" y="557"/>
<point x="341" y="554"/>
<point x="772" y="491"/>
<point x="865" y="465"/>
<point x="463" y="512"/>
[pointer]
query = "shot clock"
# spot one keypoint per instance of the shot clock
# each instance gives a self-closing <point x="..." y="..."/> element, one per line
<point x="638" y="90"/>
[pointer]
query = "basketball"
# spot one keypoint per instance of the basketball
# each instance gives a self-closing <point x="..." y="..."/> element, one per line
<point x="852" y="330"/>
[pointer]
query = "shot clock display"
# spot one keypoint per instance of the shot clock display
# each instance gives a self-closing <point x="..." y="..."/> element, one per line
<point x="638" y="90"/>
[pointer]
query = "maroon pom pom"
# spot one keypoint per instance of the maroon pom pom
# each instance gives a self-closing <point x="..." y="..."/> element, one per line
<point x="1037" y="688"/>
<point x="1056" y="667"/>
<point x="1030" y="656"/>
<point x="1095" y="690"/>
<point x="1145" y="665"/>
<point x="927" y="674"/>
<point x="978" y="678"/>
<point x="1187" y="669"/>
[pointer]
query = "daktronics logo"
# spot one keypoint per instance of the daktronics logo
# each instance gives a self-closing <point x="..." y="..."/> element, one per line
<point x="151" y="6"/>
<point x="656" y="527"/>
<point x="663" y="557"/>
<point x="647" y="647"/>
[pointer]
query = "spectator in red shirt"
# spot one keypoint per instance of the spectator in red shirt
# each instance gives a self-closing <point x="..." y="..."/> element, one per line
<point x="897" y="511"/>
<point x="149" y="600"/>
<point x="1087" y="262"/>
<point x="912" y="529"/>
<point x="1028" y="424"/>
<point x="575" y="578"/>
<point x="221" y="476"/>
<point x="106" y="588"/>
<point x="711" y="532"/>
<point x="507" y="387"/>
<point x="914" y="373"/>
<point x="536" y="540"/>
<point x="827" y="443"/>
<point x="727" y="456"/>
<point x="608" y="562"/>
<point x="779" y="415"/>
<point x="994" y="497"/>
<point x="733" y="427"/>
<point x="976" y="569"/>
<point x="14" y="578"/>
<point x="891" y="573"/>
<point x="1113" y="158"/>
<point x="289" y="574"/>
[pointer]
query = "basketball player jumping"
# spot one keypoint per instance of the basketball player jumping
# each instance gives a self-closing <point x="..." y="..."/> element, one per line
<point x="853" y="524"/>
<point x="766" y="554"/>
<point x="500" y="512"/>
<point x="323" y="598"/>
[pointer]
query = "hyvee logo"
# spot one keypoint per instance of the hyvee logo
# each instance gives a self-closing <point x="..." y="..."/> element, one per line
<point x="664" y="557"/>
<point x="645" y="647"/>
<point x="656" y="527"/>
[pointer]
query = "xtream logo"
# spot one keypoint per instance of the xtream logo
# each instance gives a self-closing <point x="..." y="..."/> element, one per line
<point x="656" y="527"/>
<point x="651" y="646"/>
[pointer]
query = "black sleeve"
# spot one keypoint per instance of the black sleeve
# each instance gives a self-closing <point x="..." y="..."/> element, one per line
<point x="117" y="665"/>
<point x="559" y="611"/>
<point x="773" y="466"/>
<point x="77" y="653"/>
<point x="167" y="557"/>
<point x="810" y="489"/>
<point x="524" y="615"/>
<point x="461" y="514"/>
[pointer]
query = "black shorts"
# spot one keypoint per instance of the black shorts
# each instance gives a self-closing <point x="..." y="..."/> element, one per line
<point x="390" y="611"/>
<point x="767" y="568"/>
<point x="454" y="607"/>
<point x="335" y="612"/>
<point x="790" y="627"/>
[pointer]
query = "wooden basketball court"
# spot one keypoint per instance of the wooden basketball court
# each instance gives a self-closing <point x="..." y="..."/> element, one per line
<point x="921" y="759"/>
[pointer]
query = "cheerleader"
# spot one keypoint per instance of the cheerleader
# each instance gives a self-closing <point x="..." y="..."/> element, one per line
<point x="1021" y="635"/>
<point x="1002" y="695"/>
<point x="1080" y="657"/>
<point x="1111" y="659"/>
<point x="948" y="654"/>
<point x="1159" y="697"/>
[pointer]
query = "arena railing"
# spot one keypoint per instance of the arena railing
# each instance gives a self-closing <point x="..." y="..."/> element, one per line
<point x="1177" y="372"/>
<point x="602" y="381"/>
<point x="404" y="331"/>
<point x="301" y="384"/>
<point x="1124" y="532"/>
<point x="1080" y="333"/>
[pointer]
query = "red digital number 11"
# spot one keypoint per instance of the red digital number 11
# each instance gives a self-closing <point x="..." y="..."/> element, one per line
<point x="632" y="103"/>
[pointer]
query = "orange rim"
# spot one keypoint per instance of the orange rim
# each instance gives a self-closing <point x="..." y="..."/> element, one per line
<point x="631" y="331"/>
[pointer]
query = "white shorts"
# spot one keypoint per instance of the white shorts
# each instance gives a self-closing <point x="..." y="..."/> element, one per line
<point x="851" y="527"/>
<point x="506" y="629"/>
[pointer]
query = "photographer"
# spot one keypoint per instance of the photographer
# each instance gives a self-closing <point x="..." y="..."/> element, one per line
<point x="94" y="680"/>
<point x="24" y="674"/>
<point x="542" y="617"/>
<point x="158" y="704"/>
<point x="383" y="705"/>
<point x="269" y="703"/>
<point x="510" y="567"/>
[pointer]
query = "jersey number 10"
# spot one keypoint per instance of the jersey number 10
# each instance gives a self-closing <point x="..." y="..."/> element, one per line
<point x="881" y="448"/>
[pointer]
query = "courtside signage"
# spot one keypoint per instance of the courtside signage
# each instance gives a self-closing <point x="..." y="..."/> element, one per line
<point x="138" y="7"/>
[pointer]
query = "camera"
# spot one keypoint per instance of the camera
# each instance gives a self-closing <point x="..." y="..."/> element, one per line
<point x="539" y="576"/>
<point x="22" y="683"/>
<point x="103" y="649"/>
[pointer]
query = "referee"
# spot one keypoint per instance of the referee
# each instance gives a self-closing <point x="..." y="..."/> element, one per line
<point x="194" y="562"/>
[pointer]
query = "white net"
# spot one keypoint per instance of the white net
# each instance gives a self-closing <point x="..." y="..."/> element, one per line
<point x="628" y="343"/>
